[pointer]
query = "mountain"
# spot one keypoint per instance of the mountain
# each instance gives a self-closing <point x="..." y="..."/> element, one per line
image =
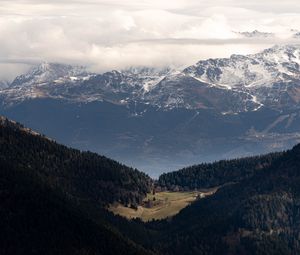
<point x="42" y="81"/>
<point x="74" y="83"/>
<point x="256" y="34"/>
<point x="160" y="119"/>
<point x="4" y="84"/>
<point x="49" y="72"/>
<point x="270" y="78"/>
<point x="296" y="35"/>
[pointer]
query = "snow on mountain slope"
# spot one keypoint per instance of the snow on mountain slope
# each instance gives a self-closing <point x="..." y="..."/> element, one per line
<point x="271" y="77"/>
<point x="50" y="72"/>
<point x="76" y="84"/>
<point x="255" y="34"/>
<point x="4" y="84"/>
<point x="44" y="80"/>
<point x="147" y="77"/>
<point x="240" y="83"/>
<point x="297" y="35"/>
<point x="263" y="69"/>
<point x="183" y="91"/>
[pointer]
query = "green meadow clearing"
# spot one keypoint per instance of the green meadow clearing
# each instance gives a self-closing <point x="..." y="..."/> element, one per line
<point x="159" y="206"/>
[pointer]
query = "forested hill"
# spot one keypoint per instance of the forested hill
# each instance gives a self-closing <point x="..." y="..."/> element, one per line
<point x="81" y="175"/>
<point x="37" y="219"/>
<point x="258" y="215"/>
<point x="209" y="175"/>
<point x="52" y="197"/>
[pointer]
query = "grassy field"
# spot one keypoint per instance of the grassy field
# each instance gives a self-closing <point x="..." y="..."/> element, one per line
<point x="166" y="204"/>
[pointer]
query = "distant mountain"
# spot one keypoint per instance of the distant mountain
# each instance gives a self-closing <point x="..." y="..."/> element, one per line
<point x="49" y="72"/>
<point x="271" y="78"/>
<point x="4" y="84"/>
<point x="73" y="83"/>
<point x="268" y="78"/>
<point x="256" y="34"/>
<point x="297" y="35"/>
<point x="160" y="119"/>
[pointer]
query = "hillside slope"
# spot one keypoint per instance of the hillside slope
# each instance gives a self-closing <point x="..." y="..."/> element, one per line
<point x="36" y="219"/>
<point x="82" y="175"/>
<point x="258" y="215"/>
<point x="215" y="174"/>
<point x="53" y="198"/>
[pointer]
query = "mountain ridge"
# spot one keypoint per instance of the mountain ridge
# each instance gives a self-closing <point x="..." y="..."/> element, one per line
<point x="252" y="77"/>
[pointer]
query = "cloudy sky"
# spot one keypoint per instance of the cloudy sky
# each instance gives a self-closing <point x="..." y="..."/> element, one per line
<point x="115" y="34"/>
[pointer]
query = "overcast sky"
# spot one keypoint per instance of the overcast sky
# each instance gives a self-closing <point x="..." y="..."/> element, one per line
<point x="114" y="34"/>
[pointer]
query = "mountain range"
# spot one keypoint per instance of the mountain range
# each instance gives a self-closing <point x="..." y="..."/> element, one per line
<point x="159" y="119"/>
<point x="268" y="79"/>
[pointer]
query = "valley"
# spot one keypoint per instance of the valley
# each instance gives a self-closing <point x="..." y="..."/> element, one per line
<point x="160" y="205"/>
<point x="225" y="207"/>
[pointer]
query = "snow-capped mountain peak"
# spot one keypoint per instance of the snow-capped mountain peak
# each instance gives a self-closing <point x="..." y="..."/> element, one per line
<point x="254" y="70"/>
<point x="255" y="34"/>
<point x="49" y="72"/>
<point x="4" y="84"/>
<point x="147" y="77"/>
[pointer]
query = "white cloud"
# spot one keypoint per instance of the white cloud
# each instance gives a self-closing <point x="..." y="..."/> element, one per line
<point x="118" y="33"/>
